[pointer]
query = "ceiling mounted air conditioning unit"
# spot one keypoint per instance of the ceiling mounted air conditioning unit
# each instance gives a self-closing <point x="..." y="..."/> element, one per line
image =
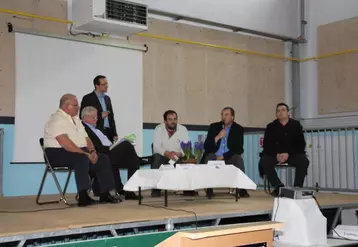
<point x="113" y="17"/>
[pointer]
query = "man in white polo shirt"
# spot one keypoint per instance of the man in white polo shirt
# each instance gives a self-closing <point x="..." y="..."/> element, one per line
<point x="67" y="145"/>
<point x="167" y="139"/>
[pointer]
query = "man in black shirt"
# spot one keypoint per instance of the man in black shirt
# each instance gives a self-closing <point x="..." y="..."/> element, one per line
<point x="284" y="142"/>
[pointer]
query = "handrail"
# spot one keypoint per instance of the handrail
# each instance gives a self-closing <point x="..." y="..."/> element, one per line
<point x="216" y="46"/>
<point x="45" y="18"/>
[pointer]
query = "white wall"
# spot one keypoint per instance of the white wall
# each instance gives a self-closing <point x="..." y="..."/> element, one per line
<point x="319" y="12"/>
<point x="272" y="16"/>
<point x="70" y="68"/>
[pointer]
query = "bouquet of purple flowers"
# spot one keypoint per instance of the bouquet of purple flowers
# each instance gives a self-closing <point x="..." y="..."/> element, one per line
<point x="187" y="149"/>
<point x="198" y="149"/>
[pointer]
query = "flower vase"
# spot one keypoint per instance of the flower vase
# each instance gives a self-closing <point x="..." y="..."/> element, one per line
<point x="190" y="161"/>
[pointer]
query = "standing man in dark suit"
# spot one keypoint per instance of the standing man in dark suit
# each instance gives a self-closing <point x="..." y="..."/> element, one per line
<point x="284" y="142"/>
<point x="225" y="141"/>
<point x="102" y="102"/>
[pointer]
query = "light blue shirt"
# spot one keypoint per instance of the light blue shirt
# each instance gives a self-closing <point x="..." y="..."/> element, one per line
<point x="104" y="108"/>
<point x="105" y="141"/>
<point x="223" y="144"/>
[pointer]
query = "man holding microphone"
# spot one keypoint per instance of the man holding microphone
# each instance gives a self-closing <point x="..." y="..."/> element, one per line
<point x="225" y="141"/>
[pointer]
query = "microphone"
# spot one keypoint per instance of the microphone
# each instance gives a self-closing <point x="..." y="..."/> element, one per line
<point x="223" y="125"/>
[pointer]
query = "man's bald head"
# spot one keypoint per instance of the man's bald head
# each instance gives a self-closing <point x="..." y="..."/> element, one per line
<point x="66" y="99"/>
<point x="69" y="104"/>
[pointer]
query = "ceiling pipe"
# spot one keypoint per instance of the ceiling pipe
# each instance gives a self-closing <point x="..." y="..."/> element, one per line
<point x="303" y="21"/>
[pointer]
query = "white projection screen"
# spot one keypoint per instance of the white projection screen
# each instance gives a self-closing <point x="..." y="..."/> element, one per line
<point x="48" y="67"/>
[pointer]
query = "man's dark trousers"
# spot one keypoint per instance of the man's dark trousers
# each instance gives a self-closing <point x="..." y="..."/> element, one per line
<point x="235" y="160"/>
<point x="82" y="166"/>
<point x="268" y="163"/>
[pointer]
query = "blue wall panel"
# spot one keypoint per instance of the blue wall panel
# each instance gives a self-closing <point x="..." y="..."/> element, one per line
<point x="24" y="179"/>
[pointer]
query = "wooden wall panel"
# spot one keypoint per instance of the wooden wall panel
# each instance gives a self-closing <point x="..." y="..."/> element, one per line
<point x="196" y="81"/>
<point x="266" y="80"/>
<point x="337" y="75"/>
<point x="194" y="78"/>
<point x="209" y="79"/>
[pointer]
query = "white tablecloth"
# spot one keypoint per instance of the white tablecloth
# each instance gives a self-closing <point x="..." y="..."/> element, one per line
<point x="192" y="178"/>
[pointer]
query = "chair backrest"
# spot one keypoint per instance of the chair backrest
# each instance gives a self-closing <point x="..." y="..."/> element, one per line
<point x="41" y="140"/>
<point x="47" y="162"/>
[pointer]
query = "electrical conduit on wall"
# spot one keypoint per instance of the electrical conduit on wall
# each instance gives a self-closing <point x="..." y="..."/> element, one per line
<point x="247" y="52"/>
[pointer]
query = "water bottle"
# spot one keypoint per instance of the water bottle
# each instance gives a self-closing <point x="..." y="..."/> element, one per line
<point x="170" y="225"/>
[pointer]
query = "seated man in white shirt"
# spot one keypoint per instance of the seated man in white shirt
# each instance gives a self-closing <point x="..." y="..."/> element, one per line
<point x="67" y="145"/>
<point x="167" y="139"/>
<point x="121" y="156"/>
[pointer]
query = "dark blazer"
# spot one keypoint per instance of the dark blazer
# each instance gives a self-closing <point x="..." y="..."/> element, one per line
<point x="289" y="139"/>
<point x="122" y="156"/>
<point x="235" y="140"/>
<point x="91" y="99"/>
<point x="95" y="140"/>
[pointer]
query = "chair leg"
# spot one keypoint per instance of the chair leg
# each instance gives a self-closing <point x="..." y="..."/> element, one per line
<point x="66" y="186"/>
<point x="40" y="191"/>
<point x="67" y="182"/>
<point x="265" y="189"/>
<point x="62" y="194"/>
<point x="267" y="185"/>
<point x="41" y="187"/>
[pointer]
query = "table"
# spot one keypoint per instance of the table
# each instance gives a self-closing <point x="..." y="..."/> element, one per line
<point x="244" y="234"/>
<point x="189" y="177"/>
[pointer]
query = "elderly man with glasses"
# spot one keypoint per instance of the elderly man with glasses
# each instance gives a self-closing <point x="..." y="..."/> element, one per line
<point x="121" y="156"/>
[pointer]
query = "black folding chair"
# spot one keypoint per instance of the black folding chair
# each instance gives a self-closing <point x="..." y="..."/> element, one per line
<point x="267" y="187"/>
<point x="53" y="171"/>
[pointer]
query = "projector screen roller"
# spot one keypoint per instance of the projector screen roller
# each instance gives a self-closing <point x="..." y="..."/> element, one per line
<point x="47" y="68"/>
